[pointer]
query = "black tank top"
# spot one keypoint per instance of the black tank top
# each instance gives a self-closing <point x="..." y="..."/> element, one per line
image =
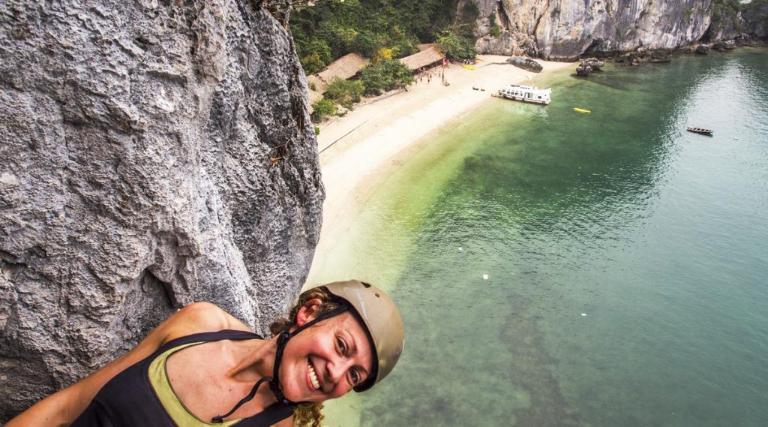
<point x="128" y="399"/>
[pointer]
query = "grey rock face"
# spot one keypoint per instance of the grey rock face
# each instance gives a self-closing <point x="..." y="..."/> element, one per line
<point x="565" y="29"/>
<point x="152" y="154"/>
<point x="589" y="65"/>
<point x="509" y="44"/>
<point x="525" y="63"/>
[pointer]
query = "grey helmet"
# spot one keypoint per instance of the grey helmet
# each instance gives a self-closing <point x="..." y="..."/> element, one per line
<point x="382" y="321"/>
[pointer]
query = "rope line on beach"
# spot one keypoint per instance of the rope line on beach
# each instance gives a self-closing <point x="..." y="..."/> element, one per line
<point x="342" y="136"/>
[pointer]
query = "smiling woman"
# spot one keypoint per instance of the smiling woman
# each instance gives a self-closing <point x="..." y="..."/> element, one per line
<point x="203" y="366"/>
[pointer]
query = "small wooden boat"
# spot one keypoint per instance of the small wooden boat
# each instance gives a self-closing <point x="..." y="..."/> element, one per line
<point x="701" y="131"/>
<point x="581" y="110"/>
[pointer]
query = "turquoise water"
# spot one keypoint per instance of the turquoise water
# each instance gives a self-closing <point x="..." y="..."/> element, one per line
<point x="626" y="259"/>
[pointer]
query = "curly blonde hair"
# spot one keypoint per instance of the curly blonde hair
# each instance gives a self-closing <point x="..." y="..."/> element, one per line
<point x="306" y="414"/>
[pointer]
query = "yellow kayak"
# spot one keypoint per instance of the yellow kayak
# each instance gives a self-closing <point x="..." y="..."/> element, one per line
<point x="581" y="110"/>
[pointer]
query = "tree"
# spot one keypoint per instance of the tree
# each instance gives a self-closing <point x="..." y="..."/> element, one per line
<point x="345" y="92"/>
<point x="383" y="53"/>
<point x="385" y="75"/>
<point x="323" y="108"/>
<point x="312" y="63"/>
<point x="456" y="47"/>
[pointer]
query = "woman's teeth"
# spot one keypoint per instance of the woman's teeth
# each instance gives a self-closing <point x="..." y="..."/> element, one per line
<point x="313" y="376"/>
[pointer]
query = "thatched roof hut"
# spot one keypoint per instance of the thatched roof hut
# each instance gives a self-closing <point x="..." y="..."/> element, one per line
<point x="426" y="58"/>
<point x="343" y="68"/>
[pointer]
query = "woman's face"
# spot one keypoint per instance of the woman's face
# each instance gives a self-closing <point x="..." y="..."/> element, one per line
<point x="326" y="360"/>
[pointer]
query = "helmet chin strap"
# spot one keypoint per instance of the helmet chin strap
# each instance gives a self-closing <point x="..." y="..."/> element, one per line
<point x="274" y="380"/>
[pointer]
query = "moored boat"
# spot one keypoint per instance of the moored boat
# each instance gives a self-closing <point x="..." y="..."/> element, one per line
<point x="701" y="131"/>
<point x="526" y="94"/>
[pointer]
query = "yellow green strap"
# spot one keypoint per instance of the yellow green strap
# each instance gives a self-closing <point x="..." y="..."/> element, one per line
<point x="158" y="377"/>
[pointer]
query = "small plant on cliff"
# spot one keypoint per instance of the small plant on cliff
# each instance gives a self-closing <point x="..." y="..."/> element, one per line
<point x="688" y="14"/>
<point x="495" y="31"/>
<point x="323" y="108"/>
<point x="385" y="75"/>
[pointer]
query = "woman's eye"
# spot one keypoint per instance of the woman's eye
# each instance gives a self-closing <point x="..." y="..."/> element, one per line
<point x="355" y="376"/>
<point x="342" y="346"/>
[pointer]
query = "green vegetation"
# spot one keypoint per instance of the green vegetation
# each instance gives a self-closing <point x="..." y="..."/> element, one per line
<point x="456" y="47"/>
<point x="725" y="16"/>
<point x="385" y="75"/>
<point x="464" y="26"/>
<point x="322" y="109"/>
<point x="314" y="55"/>
<point x="333" y="28"/>
<point x="688" y="14"/>
<point x="345" y="92"/>
<point x="495" y="30"/>
<point x="731" y="18"/>
<point x="755" y="14"/>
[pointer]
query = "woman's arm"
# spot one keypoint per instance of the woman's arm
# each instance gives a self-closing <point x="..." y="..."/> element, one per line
<point x="64" y="406"/>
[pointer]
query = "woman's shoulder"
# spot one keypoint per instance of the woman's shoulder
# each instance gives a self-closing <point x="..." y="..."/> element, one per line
<point x="201" y="317"/>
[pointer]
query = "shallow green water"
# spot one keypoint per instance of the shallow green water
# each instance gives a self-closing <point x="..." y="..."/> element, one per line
<point x="627" y="260"/>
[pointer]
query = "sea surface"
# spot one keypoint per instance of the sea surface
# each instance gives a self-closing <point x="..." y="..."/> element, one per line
<point x="563" y="269"/>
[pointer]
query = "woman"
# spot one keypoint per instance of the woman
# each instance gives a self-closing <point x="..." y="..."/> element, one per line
<point x="202" y="366"/>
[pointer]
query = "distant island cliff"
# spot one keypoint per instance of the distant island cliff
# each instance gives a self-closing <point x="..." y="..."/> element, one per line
<point x="567" y="29"/>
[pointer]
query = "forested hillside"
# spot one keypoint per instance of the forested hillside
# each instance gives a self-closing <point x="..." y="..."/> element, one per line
<point x="374" y="28"/>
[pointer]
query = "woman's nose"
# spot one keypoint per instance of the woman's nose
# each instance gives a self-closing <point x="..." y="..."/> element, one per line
<point x="336" y="370"/>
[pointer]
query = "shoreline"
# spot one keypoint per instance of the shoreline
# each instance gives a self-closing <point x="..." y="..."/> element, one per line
<point x="360" y="148"/>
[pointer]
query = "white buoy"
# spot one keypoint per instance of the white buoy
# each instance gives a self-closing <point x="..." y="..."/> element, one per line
<point x="485" y="277"/>
<point x="460" y="249"/>
<point x="583" y="314"/>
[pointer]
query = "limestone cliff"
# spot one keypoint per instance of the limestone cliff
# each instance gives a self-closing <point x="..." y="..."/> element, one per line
<point x="152" y="153"/>
<point x="566" y="29"/>
<point x="755" y="19"/>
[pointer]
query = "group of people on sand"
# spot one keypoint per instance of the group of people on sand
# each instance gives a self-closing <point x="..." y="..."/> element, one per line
<point x="424" y="75"/>
<point x="427" y="74"/>
<point x="203" y="366"/>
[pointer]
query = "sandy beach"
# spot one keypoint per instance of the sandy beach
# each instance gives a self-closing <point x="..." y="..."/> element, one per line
<point x="373" y="138"/>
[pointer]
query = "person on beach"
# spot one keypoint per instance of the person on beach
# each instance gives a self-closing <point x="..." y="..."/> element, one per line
<point x="203" y="366"/>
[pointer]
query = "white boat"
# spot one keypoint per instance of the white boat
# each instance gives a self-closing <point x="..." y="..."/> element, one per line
<point x="526" y="94"/>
